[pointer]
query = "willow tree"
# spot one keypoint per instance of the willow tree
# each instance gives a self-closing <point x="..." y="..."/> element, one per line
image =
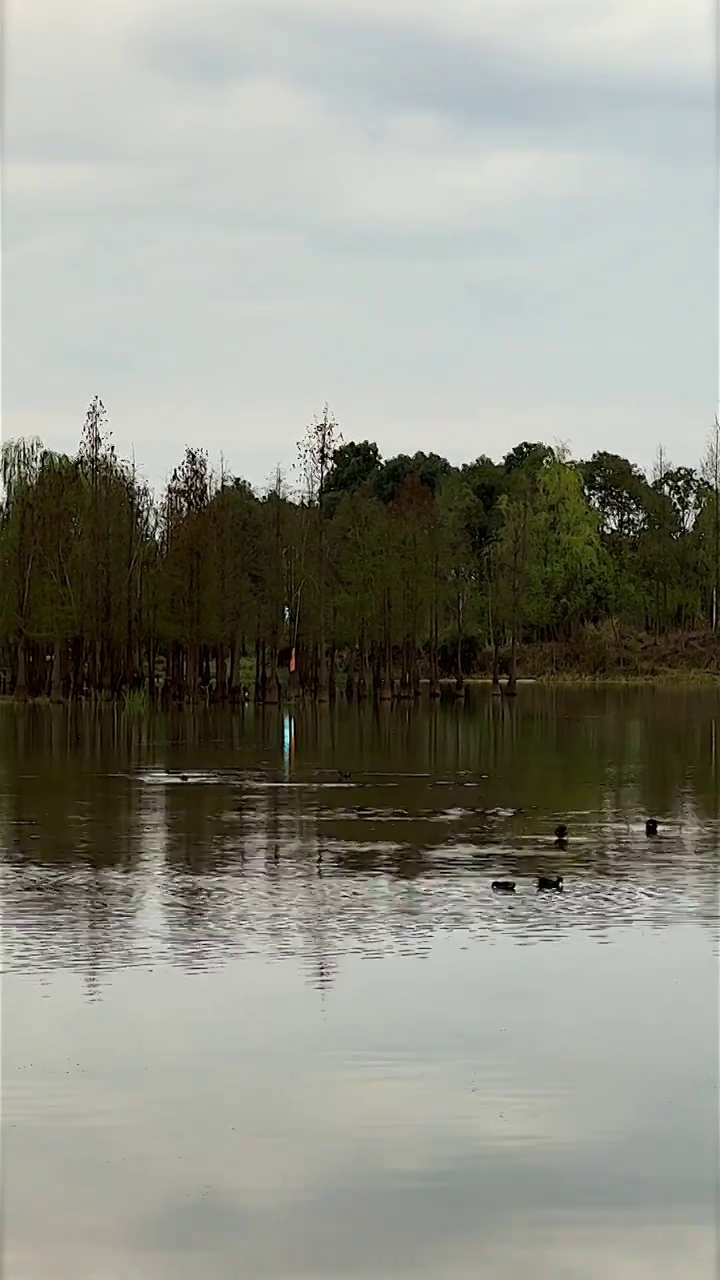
<point x="566" y="555"/>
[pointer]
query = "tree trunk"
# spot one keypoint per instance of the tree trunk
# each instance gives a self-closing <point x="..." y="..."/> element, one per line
<point x="263" y="671"/>
<point x="56" y="683"/>
<point x="496" y="668"/>
<point x="362" y="663"/>
<point x="151" y="658"/>
<point x="385" y="691"/>
<point x="257" y="693"/>
<point x="221" y="684"/>
<point x="21" y="690"/>
<point x="272" y="690"/>
<point x="511" y="686"/>
<point x="406" y="681"/>
<point x="434" y="674"/>
<point x="193" y="663"/>
<point x="459" y="679"/>
<point x="331" y="672"/>
<point x="321" y="684"/>
<point x="415" y="671"/>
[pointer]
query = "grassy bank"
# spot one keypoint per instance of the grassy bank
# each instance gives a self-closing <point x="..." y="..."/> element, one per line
<point x="599" y="655"/>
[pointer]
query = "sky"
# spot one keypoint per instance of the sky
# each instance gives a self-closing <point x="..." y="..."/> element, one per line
<point x="461" y="225"/>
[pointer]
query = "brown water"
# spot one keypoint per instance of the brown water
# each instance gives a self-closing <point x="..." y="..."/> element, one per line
<point x="220" y="1059"/>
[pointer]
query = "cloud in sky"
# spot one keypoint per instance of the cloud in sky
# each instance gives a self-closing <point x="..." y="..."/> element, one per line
<point x="462" y="225"/>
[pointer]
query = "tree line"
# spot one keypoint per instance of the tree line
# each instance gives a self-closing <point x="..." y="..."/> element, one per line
<point x="367" y="576"/>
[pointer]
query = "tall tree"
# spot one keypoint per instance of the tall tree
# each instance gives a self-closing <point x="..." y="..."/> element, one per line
<point x="317" y="449"/>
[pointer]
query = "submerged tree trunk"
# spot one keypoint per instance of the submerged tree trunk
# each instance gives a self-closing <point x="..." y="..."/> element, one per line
<point x="21" y="689"/>
<point x="221" y="681"/>
<point x="57" y="675"/>
<point x="331" y="672"/>
<point x="362" y="663"/>
<point x="257" y="693"/>
<point x="415" y="671"/>
<point x="511" y="686"/>
<point x="459" y="678"/>
<point x="496" y="668"/>
<point x="433" y="656"/>
<point x="321" y="682"/>
<point x="151" y="658"/>
<point x="263" y="671"/>
<point x="272" y="689"/>
<point x="193" y="671"/>
<point x="407" y="682"/>
<point x="385" y="690"/>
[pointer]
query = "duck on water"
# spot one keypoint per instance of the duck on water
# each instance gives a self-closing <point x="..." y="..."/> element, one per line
<point x="550" y="882"/>
<point x="544" y="883"/>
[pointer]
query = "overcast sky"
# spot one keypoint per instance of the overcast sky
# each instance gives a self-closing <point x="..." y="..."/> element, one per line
<point x="462" y="224"/>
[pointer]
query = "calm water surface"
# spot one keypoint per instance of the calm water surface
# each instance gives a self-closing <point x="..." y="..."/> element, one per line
<point x="222" y="1059"/>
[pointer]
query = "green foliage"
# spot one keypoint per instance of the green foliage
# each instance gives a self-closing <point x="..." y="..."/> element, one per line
<point x="108" y="590"/>
<point x="352" y="466"/>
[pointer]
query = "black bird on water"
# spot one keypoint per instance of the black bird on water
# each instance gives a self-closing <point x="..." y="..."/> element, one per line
<point x="550" y="882"/>
<point x="183" y="777"/>
<point x="503" y="886"/>
<point x="651" y="827"/>
<point x="344" y="775"/>
<point x="561" y="833"/>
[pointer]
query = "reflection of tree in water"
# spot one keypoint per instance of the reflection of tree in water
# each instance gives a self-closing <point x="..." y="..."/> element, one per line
<point x="195" y="918"/>
<point x="70" y="889"/>
<point x="100" y="924"/>
<point x="80" y="917"/>
<point x="203" y="870"/>
<point x="318" y="940"/>
<point x="403" y="856"/>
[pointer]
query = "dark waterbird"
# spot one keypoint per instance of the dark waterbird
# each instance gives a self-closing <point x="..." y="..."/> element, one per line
<point x="344" y="775"/>
<point x="183" y="777"/>
<point x="550" y="882"/>
<point x="651" y="827"/>
<point x="503" y="886"/>
<point x="561" y="833"/>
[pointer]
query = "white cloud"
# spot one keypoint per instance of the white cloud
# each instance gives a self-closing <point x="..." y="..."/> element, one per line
<point x="636" y="34"/>
<point x="261" y="207"/>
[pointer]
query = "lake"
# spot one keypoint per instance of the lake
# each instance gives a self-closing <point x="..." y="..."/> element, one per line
<point x="263" y="1021"/>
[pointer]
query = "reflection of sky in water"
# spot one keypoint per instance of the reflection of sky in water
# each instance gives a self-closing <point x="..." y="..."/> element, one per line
<point x="218" y="1061"/>
<point x="427" y="1108"/>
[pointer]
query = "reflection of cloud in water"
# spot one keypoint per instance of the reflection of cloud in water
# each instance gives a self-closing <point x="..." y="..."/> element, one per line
<point x="461" y="1106"/>
<point x="588" y="1252"/>
<point x="443" y="1109"/>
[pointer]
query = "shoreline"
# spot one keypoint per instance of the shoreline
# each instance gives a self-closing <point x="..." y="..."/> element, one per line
<point x="679" y="678"/>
